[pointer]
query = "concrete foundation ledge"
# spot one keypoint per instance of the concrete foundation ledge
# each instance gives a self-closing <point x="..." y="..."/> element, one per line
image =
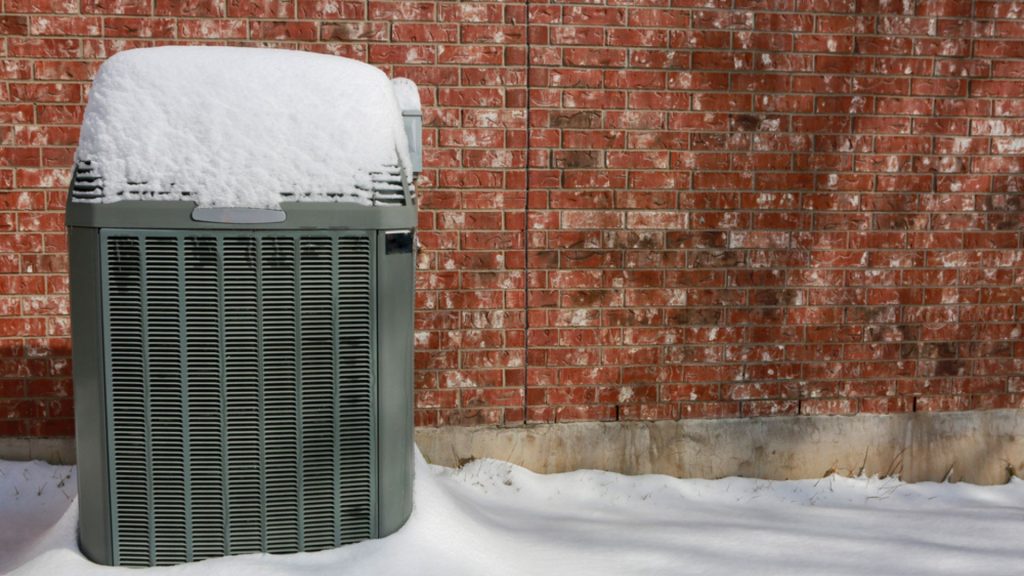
<point x="979" y="447"/>
<point x="52" y="450"/>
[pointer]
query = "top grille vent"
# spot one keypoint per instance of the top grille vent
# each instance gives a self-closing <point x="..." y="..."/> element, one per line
<point x="387" y="189"/>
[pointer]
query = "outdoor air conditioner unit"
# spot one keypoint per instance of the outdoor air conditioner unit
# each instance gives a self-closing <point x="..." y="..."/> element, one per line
<point x="243" y="374"/>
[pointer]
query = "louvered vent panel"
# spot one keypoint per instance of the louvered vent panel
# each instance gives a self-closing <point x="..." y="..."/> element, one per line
<point x="355" y="449"/>
<point x="385" y="187"/>
<point x="240" y="375"/>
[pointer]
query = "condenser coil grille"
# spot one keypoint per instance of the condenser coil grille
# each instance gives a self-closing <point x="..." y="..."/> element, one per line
<point x="240" y="374"/>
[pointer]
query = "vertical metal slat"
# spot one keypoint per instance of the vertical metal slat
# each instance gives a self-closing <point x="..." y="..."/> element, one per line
<point x="207" y="424"/>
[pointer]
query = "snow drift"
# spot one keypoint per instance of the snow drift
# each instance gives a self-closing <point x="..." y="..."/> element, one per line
<point x="492" y="518"/>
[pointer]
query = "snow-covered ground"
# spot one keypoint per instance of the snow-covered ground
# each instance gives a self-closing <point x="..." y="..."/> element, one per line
<point x="493" y="518"/>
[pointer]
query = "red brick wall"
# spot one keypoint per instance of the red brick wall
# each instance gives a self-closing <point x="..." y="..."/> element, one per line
<point x="732" y="207"/>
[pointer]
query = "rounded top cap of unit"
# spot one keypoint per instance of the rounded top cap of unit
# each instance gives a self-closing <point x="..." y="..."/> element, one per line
<point x="239" y="127"/>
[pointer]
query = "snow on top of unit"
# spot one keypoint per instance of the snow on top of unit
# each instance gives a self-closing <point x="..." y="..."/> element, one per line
<point x="407" y="93"/>
<point x="240" y="126"/>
